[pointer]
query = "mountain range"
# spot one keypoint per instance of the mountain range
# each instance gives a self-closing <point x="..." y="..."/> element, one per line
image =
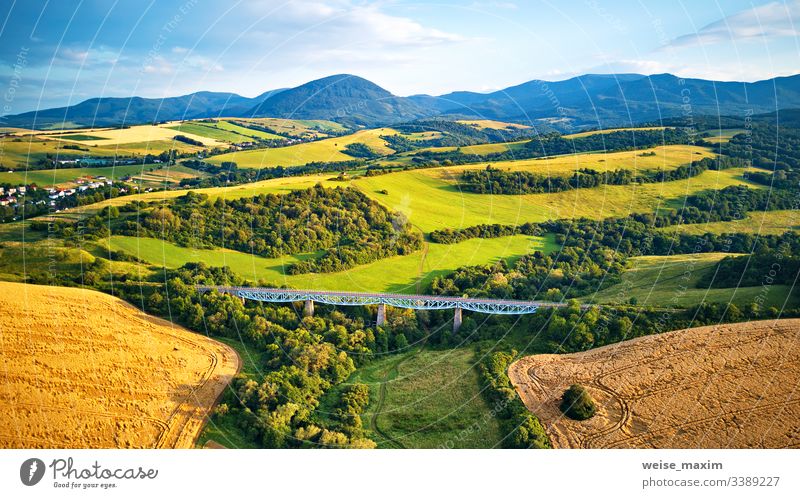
<point x="590" y="100"/>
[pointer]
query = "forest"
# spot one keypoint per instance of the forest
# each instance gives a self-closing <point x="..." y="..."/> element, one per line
<point x="342" y="224"/>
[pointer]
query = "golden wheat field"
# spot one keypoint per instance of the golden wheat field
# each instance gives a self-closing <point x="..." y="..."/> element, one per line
<point x="81" y="369"/>
<point x="723" y="386"/>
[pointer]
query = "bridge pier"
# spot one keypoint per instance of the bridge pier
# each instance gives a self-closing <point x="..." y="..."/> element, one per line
<point x="381" y="315"/>
<point x="308" y="308"/>
<point x="457" y="319"/>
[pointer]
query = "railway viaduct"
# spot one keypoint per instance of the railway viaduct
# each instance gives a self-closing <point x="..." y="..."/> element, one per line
<point x="417" y="302"/>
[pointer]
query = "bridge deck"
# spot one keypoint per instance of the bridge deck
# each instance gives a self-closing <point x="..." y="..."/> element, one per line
<point x="495" y="306"/>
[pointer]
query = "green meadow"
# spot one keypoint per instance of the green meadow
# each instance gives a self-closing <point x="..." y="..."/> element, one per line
<point x="208" y="130"/>
<point x="671" y="281"/>
<point x="425" y="398"/>
<point x="432" y="199"/>
<point x="399" y="274"/>
<point x="326" y="150"/>
<point x="61" y="176"/>
<point x="761" y="222"/>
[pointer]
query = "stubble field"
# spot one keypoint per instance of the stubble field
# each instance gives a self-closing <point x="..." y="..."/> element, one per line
<point x="85" y="370"/>
<point x="723" y="386"/>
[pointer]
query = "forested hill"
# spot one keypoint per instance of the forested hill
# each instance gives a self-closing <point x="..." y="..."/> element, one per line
<point x="342" y="226"/>
<point x="591" y="100"/>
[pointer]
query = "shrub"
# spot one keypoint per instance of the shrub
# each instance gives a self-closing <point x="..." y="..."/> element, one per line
<point x="577" y="404"/>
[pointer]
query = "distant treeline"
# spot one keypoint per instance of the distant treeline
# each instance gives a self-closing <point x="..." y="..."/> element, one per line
<point x="780" y="267"/>
<point x="495" y="181"/>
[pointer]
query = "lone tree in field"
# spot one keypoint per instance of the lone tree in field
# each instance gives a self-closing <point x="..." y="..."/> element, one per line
<point x="577" y="404"/>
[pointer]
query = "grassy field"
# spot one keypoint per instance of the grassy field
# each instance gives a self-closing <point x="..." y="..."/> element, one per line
<point x="427" y="399"/>
<point x="399" y="274"/>
<point x="670" y="281"/>
<point x="19" y="152"/>
<point x="666" y="157"/>
<point x="762" y="222"/>
<point x="273" y="186"/>
<point x="491" y="124"/>
<point x="207" y="130"/>
<point x="722" y="136"/>
<point x="64" y="176"/>
<point x="610" y="130"/>
<point x="24" y="152"/>
<point x="295" y="127"/>
<point x="247" y="132"/>
<point x="327" y="150"/>
<point x="80" y="137"/>
<point x="432" y="200"/>
<point x="478" y="149"/>
<point x="165" y="176"/>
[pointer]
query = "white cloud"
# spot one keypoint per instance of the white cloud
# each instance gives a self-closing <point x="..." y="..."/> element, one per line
<point x="342" y="23"/>
<point x="772" y="20"/>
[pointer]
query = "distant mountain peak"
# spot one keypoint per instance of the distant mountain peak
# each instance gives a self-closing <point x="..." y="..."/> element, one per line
<point x="593" y="100"/>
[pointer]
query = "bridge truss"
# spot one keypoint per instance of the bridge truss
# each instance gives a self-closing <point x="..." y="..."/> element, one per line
<point x="491" y="306"/>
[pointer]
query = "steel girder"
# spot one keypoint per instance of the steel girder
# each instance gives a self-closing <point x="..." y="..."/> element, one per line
<point x="491" y="306"/>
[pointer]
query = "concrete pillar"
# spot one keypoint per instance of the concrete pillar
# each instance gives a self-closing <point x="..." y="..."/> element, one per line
<point x="308" y="309"/>
<point x="381" y="315"/>
<point x="457" y="320"/>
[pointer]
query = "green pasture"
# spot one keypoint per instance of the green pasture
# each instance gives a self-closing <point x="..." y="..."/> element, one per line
<point x="399" y="274"/>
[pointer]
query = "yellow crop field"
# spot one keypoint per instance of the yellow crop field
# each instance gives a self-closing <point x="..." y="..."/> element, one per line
<point x="723" y="136"/>
<point x="490" y="124"/>
<point x="721" y="386"/>
<point x="665" y="157"/>
<point x="610" y="130"/>
<point x="134" y="134"/>
<point x="85" y="370"/>
<point x="327" y="150"/>
<point x="294" y="127"/>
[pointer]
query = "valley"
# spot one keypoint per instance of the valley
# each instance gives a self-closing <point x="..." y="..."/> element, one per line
<point x="641" y="223"/>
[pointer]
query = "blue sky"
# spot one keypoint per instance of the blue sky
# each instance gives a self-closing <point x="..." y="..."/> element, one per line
<point x="55" y="53"/>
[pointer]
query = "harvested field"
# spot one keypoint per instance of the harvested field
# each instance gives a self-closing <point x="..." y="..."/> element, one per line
<point x="81" y="369"/>
<point x="723" y="386"/>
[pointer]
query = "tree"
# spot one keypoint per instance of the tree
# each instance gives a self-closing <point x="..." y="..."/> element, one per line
<point x="577" y="404"/>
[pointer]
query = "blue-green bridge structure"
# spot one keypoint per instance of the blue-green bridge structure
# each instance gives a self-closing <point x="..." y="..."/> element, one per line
<point x="417" y="302"/>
